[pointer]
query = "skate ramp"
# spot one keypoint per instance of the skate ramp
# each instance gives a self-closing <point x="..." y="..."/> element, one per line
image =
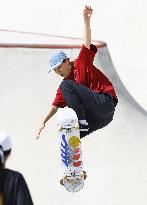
<point x="114" y="157"/>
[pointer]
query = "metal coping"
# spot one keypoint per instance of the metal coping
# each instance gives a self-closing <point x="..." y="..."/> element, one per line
<point x="47" y="46"/>
<point x="99" y="44"/>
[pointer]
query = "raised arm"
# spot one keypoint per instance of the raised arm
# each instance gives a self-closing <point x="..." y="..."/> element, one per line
<point x="87" y="31"/>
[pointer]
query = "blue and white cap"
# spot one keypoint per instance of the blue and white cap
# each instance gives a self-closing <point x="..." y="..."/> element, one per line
<point x="56" y="60"/>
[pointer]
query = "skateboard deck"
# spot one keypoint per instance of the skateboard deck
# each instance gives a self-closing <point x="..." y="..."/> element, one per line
<point x="70" y="149"/>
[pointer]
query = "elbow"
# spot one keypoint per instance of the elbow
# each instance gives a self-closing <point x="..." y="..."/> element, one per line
<point x="87" y="45"/>
<point x="55" y="108"/>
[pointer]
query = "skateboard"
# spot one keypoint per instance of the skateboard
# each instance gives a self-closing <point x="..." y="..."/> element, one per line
<point x="70" y="149"/>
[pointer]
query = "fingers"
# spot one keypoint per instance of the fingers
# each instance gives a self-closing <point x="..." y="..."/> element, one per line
<point x="39" y="131"/>
<point x="88" y="12"/>
<point x="88" y="9"/>
<point x="37" y="136"/>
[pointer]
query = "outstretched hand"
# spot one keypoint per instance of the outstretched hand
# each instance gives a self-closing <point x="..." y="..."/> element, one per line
<point x="87" y="12"/>
<point x="39" y="131"/>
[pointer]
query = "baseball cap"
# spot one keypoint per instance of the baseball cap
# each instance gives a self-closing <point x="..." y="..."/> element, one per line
<point x="56" y="60"/>
<point x="5" y="141"/>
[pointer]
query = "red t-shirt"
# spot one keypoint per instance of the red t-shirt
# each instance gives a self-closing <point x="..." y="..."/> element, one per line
<point x="85" y="73"/>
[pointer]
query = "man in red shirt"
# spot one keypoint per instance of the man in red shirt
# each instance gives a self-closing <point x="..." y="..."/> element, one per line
<point x="84" y="88"/>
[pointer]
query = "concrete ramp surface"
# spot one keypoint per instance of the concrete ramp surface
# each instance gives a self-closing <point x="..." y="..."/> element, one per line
<point x="115" y="157"/>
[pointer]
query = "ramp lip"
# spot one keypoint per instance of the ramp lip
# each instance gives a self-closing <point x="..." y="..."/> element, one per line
<point x="73" y="42"/>
<point x="99" y="44"/>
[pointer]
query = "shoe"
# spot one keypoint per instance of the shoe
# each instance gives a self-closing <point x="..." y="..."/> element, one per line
<point x="83" y="127"/>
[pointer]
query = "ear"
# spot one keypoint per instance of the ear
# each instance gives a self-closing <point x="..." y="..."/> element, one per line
<point x="67" y="61"/>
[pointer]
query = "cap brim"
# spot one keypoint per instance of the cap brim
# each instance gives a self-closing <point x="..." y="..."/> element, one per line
<point x="52" y="68"/>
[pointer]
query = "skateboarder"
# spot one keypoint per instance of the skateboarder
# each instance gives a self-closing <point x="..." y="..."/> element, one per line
<point x="13" y="188"/>
<point x="84" y="88"/>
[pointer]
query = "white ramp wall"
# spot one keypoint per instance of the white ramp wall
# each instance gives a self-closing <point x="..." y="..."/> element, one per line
<point x="115" y="157"/>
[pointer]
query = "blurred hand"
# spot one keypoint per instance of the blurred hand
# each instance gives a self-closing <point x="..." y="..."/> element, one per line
<point x="87" y="12"/>
<point x="39" y="131"/>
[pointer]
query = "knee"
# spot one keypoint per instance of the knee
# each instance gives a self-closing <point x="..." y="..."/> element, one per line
<point x="67" y="84"/>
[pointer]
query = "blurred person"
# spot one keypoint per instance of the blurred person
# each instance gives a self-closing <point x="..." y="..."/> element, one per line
<point x="13" y="188"/>
<point x="84" y="88"/>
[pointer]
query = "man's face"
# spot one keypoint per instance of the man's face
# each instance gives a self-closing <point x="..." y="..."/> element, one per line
<point x="63" y="69"/>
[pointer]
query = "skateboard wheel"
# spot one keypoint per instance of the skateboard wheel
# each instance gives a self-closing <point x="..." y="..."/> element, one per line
<point x="60" y="129"/>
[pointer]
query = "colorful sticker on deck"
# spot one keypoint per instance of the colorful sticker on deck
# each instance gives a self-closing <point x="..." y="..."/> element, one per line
<point x="77" y="164"/>
<point x="71" y="154"/>
<point x="77" y="150"/>
<point x="76" y="156"/>
<point x="74" y="142"/>
<point x="65" y="151"/>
